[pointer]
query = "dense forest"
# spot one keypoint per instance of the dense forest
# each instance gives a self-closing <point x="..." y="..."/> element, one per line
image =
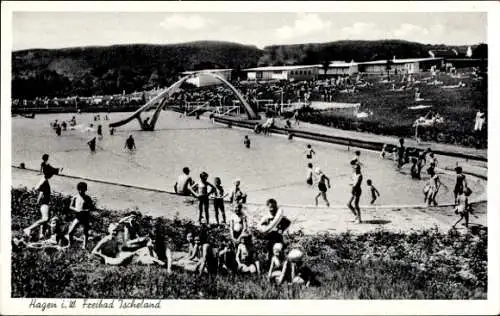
<point x="88" y="71"/>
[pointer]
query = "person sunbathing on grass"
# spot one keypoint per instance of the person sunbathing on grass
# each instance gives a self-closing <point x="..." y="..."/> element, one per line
<point x="188" y="260"/>
<point x="133" y="239"/>
<point x="111" y="250"/>
<point x="56" y="239"/>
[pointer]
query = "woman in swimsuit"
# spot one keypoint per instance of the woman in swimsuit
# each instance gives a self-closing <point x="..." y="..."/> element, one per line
<point x="323" y="186"/>
<point x="202" y="190"/>
<point x="357" y="179"/>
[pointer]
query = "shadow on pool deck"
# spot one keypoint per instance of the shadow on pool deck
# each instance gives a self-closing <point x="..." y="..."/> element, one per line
<point x="376" y="221"/>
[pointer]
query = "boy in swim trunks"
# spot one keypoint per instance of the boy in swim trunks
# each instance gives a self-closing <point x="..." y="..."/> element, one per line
<point x="357" y="179"/>
<point x="310" y="152"/>
<point x="323" y="186"/>
<point x="184" y="182"/>
<point x="81" y="204"/>
<point x="219" y="201"/>
<point x="238" y="223"/>
<point x="374" y="192"/>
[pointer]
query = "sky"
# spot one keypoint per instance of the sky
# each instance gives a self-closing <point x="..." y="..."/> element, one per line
<point x="71" y="29"/>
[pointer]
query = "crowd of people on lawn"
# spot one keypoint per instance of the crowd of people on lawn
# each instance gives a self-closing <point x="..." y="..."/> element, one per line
<point x="127" y="242"/>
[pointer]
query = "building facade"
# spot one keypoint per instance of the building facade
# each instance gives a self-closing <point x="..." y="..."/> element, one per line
<point x="294" y="73"/>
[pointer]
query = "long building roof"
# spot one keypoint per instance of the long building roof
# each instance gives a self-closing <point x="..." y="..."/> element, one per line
<point x="399" y="61"/>
<point x="278" y="68"/>
<point x="189" y="72"/>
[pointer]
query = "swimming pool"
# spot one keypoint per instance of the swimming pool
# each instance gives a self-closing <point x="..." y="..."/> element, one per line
<point x="272" y="167"/>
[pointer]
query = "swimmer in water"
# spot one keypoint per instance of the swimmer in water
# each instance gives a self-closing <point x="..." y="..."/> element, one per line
<point x="323" y="186"/>
<point x="309" y="152"/>
<point x="309" y="176"/>
<point x="357" y="179"/>
<point x="373" y="191"/>
<point x="99" y="131"/>
<point x="92" y="144"/>
<point x="246" y="141"/>
<point x="130" y="143"/>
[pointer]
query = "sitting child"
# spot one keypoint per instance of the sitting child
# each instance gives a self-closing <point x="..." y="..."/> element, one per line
<point x="245" y="257"/>
<point x="278" y="270"/>
<point x="301" y="273"/>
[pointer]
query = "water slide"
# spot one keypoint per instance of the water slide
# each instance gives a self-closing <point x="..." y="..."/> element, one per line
<point x="173" y="88"/>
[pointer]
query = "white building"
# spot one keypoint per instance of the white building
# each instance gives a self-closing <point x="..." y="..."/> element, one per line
<point x="339" y="68"/>
<point x="410" y="66"/>
<point x="201" y="80"/>
<point x="295" y="73"/>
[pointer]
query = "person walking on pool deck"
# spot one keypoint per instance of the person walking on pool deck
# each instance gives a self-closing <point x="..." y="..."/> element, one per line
<point x="357" y="179"/>
<point x="130" y="143"/>
<point x="323" y="186"/>
<point x="246" y="141"/>
<point x="81" y="204"/>
<point x="44" y="200"/>
<point x="202" y="190"/>
<point x="373" y="191"/>
<point x="219" y="201"/>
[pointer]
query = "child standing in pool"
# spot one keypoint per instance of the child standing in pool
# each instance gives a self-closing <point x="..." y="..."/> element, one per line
<point x="310" y="152"/>
<point x="309" y="177"/>
<point x="246" y="141"/>
<point x="219" y="201"/>
<point x="323" y="186"/>
<point x="130" y="143"/>
<point x="373" y="191"/>
<point x="92" y="144"/>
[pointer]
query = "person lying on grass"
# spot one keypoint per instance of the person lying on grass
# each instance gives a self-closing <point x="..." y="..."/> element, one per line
<point x="56" y="239"/>
<point x="245" y="256"/>
<point x="110" y="249"/>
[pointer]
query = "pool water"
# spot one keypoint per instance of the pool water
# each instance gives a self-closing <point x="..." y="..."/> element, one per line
<point x="273" y="167"/>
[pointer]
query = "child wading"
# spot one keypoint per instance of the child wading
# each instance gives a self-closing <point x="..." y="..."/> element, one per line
<point x="81" y="204"/>
<point x="323" y="186"/>
<point x="374" y="192"/>
<point x="246" y="141"/>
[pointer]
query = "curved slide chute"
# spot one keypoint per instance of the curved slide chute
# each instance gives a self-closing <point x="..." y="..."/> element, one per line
<point x="167" y="94"/>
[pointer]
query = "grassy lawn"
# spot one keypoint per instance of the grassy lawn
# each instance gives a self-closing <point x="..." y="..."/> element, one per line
<point x="391" y="115"/>
<point x="377" y="265"/>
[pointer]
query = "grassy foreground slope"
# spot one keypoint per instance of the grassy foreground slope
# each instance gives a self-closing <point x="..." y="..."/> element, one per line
<point x="378" y="265"/>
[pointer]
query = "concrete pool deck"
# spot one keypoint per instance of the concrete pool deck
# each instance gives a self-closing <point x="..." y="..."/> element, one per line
<point x="334" y="220"/>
